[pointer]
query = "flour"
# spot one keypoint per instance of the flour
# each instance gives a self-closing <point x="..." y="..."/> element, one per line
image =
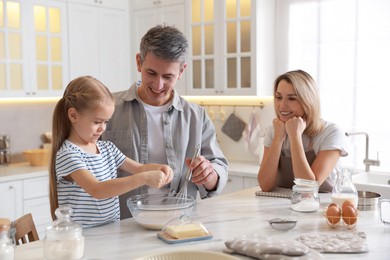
<point x="308" y="205"/>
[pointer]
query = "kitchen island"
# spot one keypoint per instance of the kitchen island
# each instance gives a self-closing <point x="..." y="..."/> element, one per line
<point x="225" y="216"/>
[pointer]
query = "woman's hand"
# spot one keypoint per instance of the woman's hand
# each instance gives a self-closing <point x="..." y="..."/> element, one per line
<point x="280" y="131"/>
<point x="295" y="126"/>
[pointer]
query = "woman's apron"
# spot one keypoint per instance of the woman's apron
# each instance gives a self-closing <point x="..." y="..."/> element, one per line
<point x="286" y="174"/>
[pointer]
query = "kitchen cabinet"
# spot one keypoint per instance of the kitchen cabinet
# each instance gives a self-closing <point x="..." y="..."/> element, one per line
<point x="36" y="201"/>
<point x="99" y="41"/>
<point x="237" y="183"/>
<point x="232" y="47"/>
<point x="11" y="199"/>
<point x="115" y="4"/>
<point x="29" y="195"/>
<point x="168" y="12"/>
<point x="33" y="48"/>
<point x="140" y="4"/>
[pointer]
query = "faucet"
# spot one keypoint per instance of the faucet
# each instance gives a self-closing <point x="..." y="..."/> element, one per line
<point x="366" y="161"/>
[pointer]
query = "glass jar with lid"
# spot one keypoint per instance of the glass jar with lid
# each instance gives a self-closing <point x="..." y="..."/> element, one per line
<point x="6" y="240"/>
<point x="64" y="239"/>
<point x="305" y="196"/>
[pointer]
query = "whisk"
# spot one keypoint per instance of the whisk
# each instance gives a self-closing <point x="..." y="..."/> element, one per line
<point x="182" y="194"/>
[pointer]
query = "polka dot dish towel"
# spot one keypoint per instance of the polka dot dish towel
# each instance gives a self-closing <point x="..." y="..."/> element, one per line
<point x="261" y="247"/>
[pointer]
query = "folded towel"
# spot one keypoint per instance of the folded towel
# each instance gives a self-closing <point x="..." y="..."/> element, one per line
<point x="261" y="247"/>
<point x="336" y="243"/>
<point x="253" y="134"/>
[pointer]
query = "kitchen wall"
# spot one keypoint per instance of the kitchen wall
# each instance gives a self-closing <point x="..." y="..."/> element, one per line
<point x="26" y="122"/>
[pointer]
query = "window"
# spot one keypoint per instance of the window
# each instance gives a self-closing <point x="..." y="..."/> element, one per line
<point x="344" y="45"/>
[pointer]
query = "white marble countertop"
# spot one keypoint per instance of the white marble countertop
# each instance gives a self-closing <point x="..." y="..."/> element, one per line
<point x="225" y="217"/>
<point x="20" y="171"/>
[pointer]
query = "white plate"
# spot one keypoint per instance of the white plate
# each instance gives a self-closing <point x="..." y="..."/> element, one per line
<point x="188" y="255"/>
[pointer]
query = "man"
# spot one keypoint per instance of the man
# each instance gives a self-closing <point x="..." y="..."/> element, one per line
<point x="153" y="124"/>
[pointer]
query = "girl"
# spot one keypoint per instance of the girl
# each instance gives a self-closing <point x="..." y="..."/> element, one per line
<point x="83" y="169"/>
<point x="299" y="144"/>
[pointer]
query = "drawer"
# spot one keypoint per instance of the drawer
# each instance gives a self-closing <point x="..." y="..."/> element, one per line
<point x="35" y="188"/>
<point x="40" y="210"/>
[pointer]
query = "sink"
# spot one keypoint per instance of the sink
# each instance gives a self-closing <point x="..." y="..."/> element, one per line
<point x="378" y="182"/>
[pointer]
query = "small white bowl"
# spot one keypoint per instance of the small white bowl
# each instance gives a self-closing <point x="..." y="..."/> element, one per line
<point x="282" y="224"/>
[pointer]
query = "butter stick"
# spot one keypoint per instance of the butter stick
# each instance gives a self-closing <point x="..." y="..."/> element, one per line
<point x="187" y="231"/>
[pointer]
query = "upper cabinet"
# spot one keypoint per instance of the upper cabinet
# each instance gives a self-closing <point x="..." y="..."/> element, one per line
<point x="146" y="14"/>
<point x="33" y="48"/>
<point x="232" y="47"/>
<point x="99" y="38"/>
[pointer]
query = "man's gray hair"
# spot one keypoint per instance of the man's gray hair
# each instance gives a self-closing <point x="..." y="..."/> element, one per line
<point x="166" y="42"/>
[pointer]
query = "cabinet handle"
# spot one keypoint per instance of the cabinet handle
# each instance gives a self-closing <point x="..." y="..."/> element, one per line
<point x="11" y="187"/>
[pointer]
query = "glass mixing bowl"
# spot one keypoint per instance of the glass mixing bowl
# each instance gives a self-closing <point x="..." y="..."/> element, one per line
<point x="154" y="211"/>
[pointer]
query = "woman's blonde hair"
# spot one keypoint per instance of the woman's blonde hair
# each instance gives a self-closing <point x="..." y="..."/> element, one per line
<point x="83" y="93"/>
<point x="306" y="90"/>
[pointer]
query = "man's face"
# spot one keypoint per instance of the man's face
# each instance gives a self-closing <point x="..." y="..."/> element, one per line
<point x="158" y="79"/>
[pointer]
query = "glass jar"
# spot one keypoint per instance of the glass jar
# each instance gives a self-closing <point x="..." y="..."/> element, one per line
<point x="305" y="198"/>
<point x="6" y="240"/>
<point x="344" y="189"/>
<point x="64" y="239"/>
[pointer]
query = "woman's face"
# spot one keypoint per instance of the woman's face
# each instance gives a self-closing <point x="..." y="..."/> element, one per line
<point x="286" y="102"/>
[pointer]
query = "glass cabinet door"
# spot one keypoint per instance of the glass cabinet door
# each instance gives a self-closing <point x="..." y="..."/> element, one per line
<point x="221" y="37"/>
<point x="33" y="60"/>
<point x="11" y="54"/>
<point x="49" y="39"/>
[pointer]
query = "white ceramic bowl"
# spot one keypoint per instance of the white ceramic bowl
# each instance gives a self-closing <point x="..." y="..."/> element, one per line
<point x="154" y="211"/>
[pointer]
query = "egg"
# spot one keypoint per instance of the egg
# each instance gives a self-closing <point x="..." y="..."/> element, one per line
<point x="333" y="214"/>
<point x="349" y="215"/>
<point x="347" y="203"/>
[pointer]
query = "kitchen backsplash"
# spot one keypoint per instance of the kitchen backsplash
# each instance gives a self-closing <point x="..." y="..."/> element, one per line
<point x="26" y="122"/>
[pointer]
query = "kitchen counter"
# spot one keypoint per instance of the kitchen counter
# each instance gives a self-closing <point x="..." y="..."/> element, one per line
<point x="19" y="171"/>
<point x="225" y="217"/>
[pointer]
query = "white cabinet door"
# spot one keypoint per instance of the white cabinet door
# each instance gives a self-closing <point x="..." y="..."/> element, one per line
<point x="36" y="201"/>
<point x="234" y="183"/>
<point x="141" y="4"/>
<point x="83" y="40"/>
<point x="99" y="44"/>
<point x="250" y="182"/>
<point x="40" y="210"/>
<point x="11" y="199"/>
<point x="147" y="18"/>
<point x="33" y="48"/>
<point x="116" y="4"/>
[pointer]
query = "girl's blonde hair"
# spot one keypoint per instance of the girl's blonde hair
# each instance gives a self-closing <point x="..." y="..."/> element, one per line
<point x="306" y="90"/>
<point x="83" y="93"/>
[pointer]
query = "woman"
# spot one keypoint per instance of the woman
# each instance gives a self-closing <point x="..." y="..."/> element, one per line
<point x="299" y="144"/>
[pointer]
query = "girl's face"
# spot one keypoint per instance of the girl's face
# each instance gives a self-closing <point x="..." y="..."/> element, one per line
<point x="158" y="79"/>
<point x="286" y="102"/>
<point x="89" y="125"/>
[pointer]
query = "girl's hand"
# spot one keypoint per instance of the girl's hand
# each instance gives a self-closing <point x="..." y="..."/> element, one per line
<point x="155" y="179"/>
<point x="280" y="131"/>
<point x="295" y="126"/>
<point x="167" y="171"/>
